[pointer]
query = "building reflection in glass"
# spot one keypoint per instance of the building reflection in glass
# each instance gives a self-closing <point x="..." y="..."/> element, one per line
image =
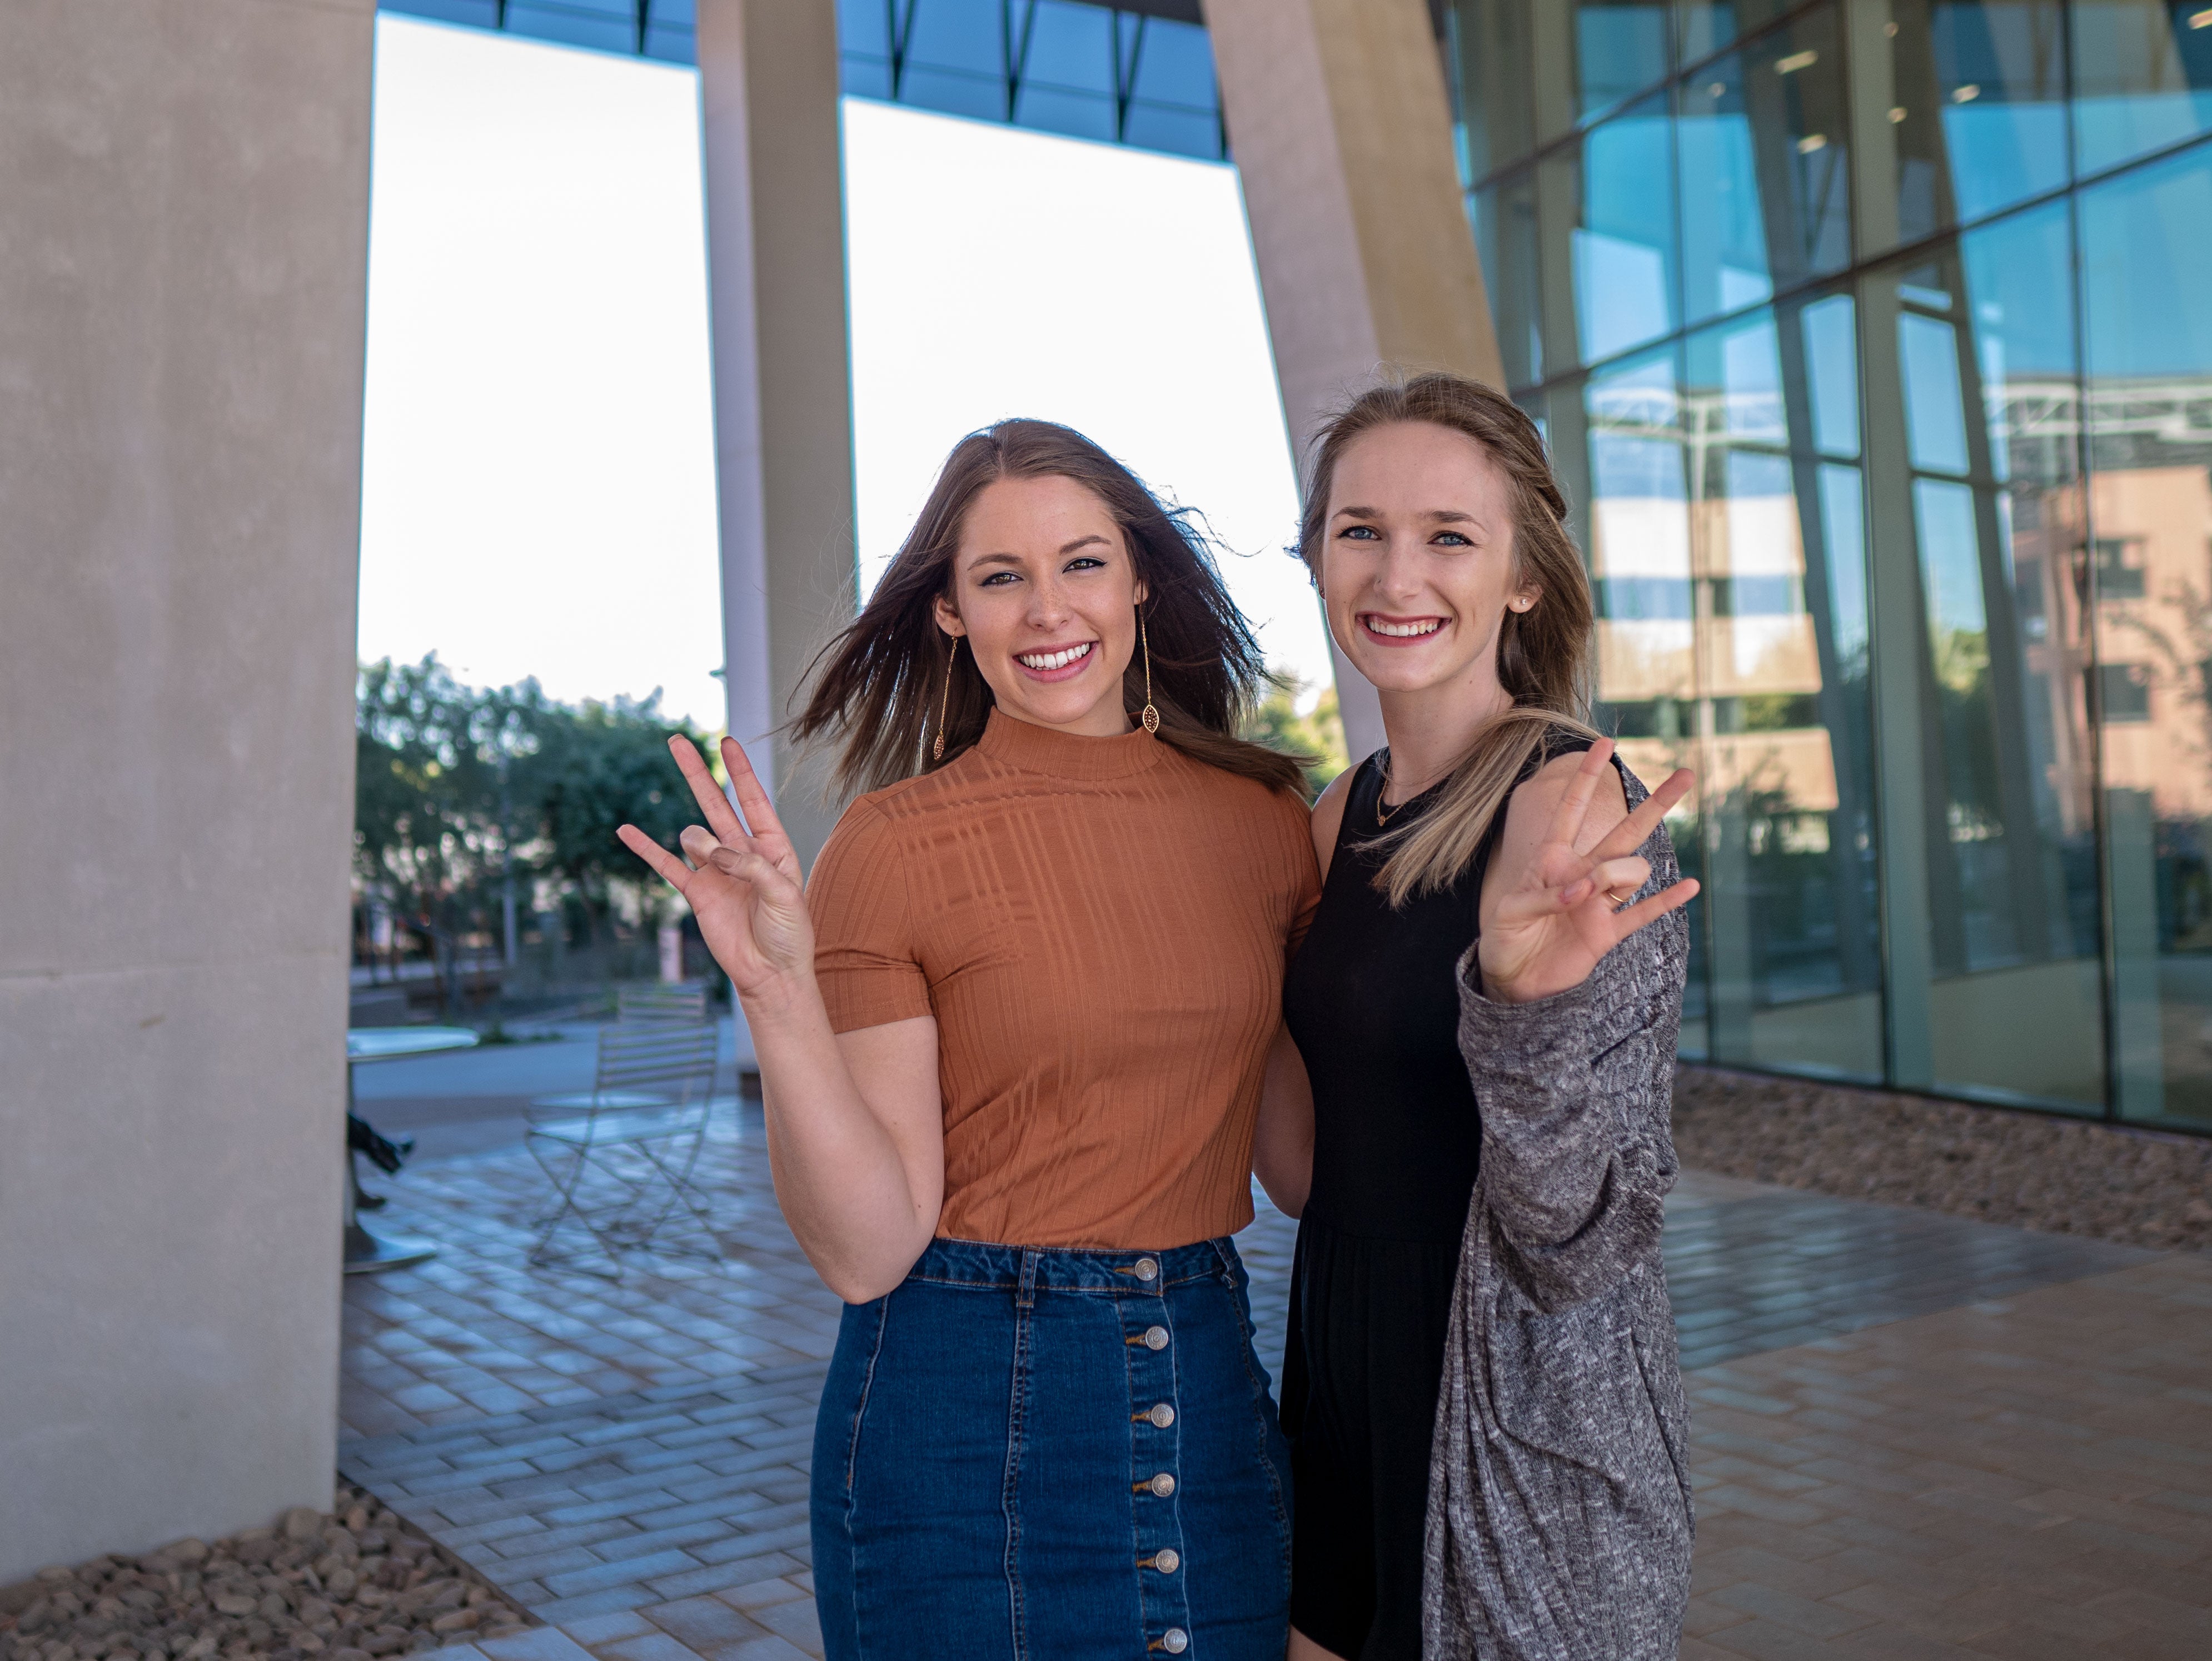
<point x="1873" y="344"/>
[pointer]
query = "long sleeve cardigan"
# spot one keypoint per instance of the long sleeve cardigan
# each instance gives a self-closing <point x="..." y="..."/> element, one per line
<point x="1559" y="1513"/>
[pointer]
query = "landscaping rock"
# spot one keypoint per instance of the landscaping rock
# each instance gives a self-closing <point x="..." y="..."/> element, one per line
<point x="1995" y="1166"/>
<point x="350" y="1584"/>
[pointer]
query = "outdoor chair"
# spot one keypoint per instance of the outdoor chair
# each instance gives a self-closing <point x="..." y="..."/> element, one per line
<point x="621" y="1155"/>
<point x="686" y="1000"/>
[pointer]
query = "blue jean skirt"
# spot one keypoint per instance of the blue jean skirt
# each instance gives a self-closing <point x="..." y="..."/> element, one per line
<point x="1024" y="1455"/>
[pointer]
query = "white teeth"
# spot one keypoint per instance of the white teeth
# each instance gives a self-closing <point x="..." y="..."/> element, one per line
<point x="1056" y="660"/>
<point x="1401" y="630"/>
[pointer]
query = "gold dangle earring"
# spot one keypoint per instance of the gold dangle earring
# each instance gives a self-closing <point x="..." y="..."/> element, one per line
<point x="937" y="750"/>
<point x="1151" y="716"/>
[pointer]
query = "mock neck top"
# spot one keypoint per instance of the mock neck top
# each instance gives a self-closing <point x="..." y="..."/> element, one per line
<point x="1099" y="928"/>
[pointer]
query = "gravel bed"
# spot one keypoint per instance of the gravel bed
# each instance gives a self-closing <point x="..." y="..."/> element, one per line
<point x="2029" y="1169"/>
<point x="348" y="1586"/>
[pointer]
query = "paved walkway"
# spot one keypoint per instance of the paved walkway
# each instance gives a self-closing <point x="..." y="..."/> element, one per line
<point x="1913" y="1436"/>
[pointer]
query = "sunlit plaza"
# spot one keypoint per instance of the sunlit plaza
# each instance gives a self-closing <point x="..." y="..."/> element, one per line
<point x="424" y="412"/>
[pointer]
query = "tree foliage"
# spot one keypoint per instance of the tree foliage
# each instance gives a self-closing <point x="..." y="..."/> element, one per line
<point x="459" y="788"/>
<point x="1315" y="737"/>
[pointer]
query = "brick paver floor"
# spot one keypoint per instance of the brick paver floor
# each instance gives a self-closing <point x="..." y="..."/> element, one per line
<point x="1913" y="1436"/>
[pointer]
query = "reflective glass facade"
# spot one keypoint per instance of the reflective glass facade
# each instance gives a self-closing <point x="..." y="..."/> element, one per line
<point x="1873" y="341"/>
<point x="1140" y="74"/>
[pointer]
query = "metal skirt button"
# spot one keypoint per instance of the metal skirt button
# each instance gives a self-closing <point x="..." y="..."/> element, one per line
<point x="1162" y="1485"/>
<point x="1175" y="1640"/>
<point x="1167" y="1560"/>
<point x="1148" y="1269"/>
<point x="1156" y="1337"/>
<point x="1162" y="1414"/>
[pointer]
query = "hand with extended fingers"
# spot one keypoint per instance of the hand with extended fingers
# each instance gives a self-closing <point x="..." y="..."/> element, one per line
<point x="743" y="883"/>
<point x="1564" y="911"/>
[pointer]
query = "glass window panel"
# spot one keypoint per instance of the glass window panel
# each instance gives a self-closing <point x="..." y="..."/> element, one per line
<point x="2005" y="781"/>
<point x="1781" y="713"/>
<point x="864" y="78"/>
<point x="1506" y="235"/>
<point x="682" y="14"/>
<point x="956" y="92"/>
<point x="2142" y="77"/>
<point x="2145" y="244"/>
<point x="1078" y="114"/>
<point x="1831" y="374"/>
<point x="1793" y="90"/>
<point x="480" y="14"/>
<point x="1490" y="43"/>
<point x="1069" y="46"/>
<point x="1704" y="26"/>
<point x="1725" y="253"/>
<point x="1638" y="547"/>
<point x="677" y="44"/>
<point x="966" y="35"/>
<point x="864" y="27"/>
<point x="1624" y="248"/>
<point x="573" y="25"/>
<point x="1977" y="117"/>
<point x="1935" y="417"/>
<point x="1181" y="131"/>
<point x="1621" y="49"/>
<point x="1173" y="65"/>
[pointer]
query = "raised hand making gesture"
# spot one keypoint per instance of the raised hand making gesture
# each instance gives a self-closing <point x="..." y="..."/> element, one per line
<point x="1563" y="911"/>
<point x="743" y="884"/>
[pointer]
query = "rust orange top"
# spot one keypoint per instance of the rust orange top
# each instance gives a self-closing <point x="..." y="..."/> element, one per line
<point x="1100" y="927"/>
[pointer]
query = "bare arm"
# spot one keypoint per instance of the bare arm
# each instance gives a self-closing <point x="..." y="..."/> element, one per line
<point x="856" y="1140"/>
<point x="1282" y="1143"/>
<point x="1282" y="1147"/>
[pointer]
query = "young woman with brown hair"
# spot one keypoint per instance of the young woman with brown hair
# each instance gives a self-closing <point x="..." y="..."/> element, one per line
<point x="1014" y="1040"/>
<point x="1481" y="1389"/>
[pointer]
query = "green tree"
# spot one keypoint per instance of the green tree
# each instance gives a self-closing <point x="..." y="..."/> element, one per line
<point x="596" y="768"/>
<point x="1317" y="738"/>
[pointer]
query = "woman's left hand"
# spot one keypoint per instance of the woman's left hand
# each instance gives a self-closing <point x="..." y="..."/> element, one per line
<point x="1565" y="912"/>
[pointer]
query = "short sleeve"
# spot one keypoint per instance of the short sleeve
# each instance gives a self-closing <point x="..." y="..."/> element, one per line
<point x="1305" y="883"/>
<point x="864" y="957"/>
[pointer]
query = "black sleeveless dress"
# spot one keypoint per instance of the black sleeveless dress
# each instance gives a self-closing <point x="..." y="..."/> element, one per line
<point x="1373" y="1001"/>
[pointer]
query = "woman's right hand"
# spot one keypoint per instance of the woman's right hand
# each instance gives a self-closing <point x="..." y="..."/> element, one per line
<point x="743" y="885"/>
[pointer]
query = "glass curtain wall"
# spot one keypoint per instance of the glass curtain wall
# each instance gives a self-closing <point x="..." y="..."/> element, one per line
<point x="1873" y="344"/>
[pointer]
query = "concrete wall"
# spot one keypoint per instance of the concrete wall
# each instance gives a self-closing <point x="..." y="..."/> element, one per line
<point x="783" y="415"/>
<point x="183" y="194"/>
<point x="1341" y="128"/>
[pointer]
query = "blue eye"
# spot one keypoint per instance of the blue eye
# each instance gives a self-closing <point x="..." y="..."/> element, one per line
<point x="1363" y="533"/>
<point x="1453" y="539"/>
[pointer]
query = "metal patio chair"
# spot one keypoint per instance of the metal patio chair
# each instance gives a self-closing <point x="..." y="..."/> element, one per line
<point x="686" y="1000"/>
<point x="621" y="1156"/>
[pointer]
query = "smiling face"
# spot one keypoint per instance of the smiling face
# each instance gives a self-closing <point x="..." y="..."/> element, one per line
<point x="1417" y="564"/>
<point x="1045" y="593"/>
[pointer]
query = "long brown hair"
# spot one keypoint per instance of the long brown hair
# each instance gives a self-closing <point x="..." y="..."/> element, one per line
<point x="878" y="685"/>
<point x="1543" y="653"/>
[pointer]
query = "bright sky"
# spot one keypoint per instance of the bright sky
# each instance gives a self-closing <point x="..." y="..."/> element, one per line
<point x="539" y="493"/>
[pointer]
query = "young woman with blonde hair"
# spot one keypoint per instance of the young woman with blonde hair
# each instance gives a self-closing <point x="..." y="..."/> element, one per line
<point x="1481" y="1391"/>
<point x="1013" y="1039"/>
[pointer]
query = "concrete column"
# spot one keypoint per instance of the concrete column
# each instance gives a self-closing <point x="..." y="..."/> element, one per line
<point x="184" y="206"/>
<point x="1341" y="129"/>
<point x="783" y="416"/>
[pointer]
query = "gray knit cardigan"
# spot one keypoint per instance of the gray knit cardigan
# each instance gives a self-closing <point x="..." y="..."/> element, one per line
<point x="1560" y="1518"/>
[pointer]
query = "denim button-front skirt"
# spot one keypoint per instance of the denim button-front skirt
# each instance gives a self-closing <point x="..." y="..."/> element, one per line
<point x="1025" y="1455"/>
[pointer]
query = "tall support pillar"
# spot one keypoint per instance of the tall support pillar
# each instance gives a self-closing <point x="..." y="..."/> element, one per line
<point x="783" y="419"/>
<point x="183" y="191"/>
<point x="1341" y="128"/>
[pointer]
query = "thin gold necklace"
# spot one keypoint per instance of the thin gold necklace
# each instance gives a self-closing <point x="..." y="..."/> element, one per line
<point x="1382" y="813"/>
